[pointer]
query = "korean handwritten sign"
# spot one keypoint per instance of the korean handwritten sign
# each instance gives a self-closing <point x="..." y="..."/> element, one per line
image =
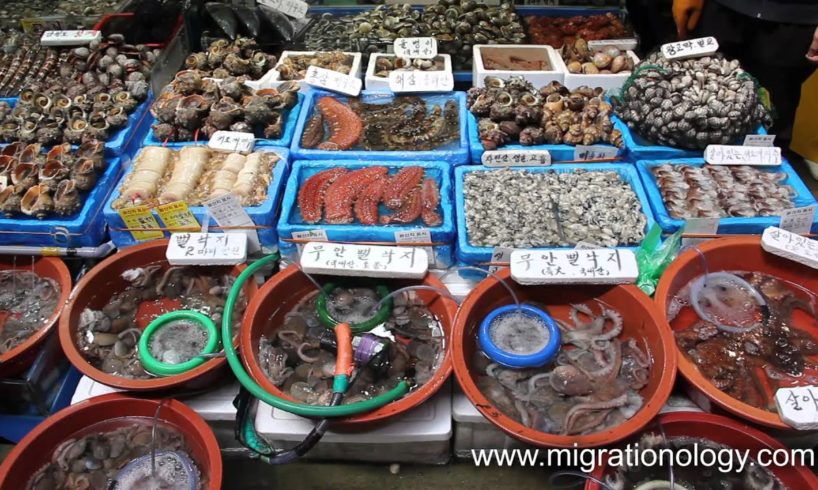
<point x="207" y="249"/>
<point x="69" y="38"/>
<point x="595" y="266"/>
<point x="500" y="255"/>
<point x="293" y="8"/>
<point x="798" y="406"/>
<point x="742" y="155"/>
<point x="622" y="44"/>
<point x="420" y="235"/>
<point x="790" y="246"/>
<point x="227" y="211"/>
<point x="516" y="158"/>
<point x="141" y="217"/>
<point x="364" y="260"/>
<point x="317" y="235"/>
<point x="421" y="81"/>
<point x="584" y="153"/>
<point x="333" y="80"/>
<point x="693" y="47"/>
<point x="759" y="140"/>
<point x="416" y="47"/>
<point x="177" y="215"/>
<point x="232" y="141"/>
<point x="798" y="220"/>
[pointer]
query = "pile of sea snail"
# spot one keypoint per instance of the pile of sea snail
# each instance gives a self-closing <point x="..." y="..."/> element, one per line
<point x="97" y="88"/>
<point x="24" y="61"/>
<point x="385" y="64"/>
<point x="692" y="103"/>
<point x="240" y="58"/>
<point x="193" y="107"/>
<point x="510" y="111"/>
<point x="580" y="59"/>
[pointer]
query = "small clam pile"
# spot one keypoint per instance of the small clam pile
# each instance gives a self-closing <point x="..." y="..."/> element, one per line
<point x="557" y="31"/>
<point x="223" y="59"/>
<point x="519" y="208"/>
<point x="368" y="31"/>
<point x="294" y="66"/>
<point x="579" y="59"/>
<point x="23" y="61"/>
<point x="511" y="111"/>
<point x="97" y="88"/>
<point x="692" y="103"/>
<point x="39" y="184"/>
<point x="192" y="108"/>
<point x="385" y="64"/>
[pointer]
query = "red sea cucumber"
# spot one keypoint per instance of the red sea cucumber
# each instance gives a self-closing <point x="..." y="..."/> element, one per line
<point x="344" y="124"/>
<point x="311" y="194"/>
<point x="341" y="193"/>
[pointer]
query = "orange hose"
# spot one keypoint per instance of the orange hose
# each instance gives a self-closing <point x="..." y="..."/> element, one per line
<point x="343" y="358"/>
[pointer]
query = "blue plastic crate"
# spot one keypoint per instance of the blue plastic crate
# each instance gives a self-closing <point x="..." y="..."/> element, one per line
<point x="750" y="226"/>
<point x="558" y="152"/>
<point x="290" y="220"/>
<point x="86" y="228"/>
<point x="285" y="140"/>
<point x="262" y="215"/>
<point x="454" y="156"/>
<point x="470" y="254"/>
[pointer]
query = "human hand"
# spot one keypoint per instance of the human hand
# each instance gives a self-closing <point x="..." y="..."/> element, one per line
<point x="812" y="54"/>
<point x="686" y="14"/>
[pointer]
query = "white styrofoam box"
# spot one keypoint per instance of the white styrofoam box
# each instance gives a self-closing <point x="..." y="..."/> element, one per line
<point x="606" y="81"/>
<point x="421" y="435"/>
<point x="473" y="431"/>
<point x="381" y="84"/>
<point x="271" y="78"/>
<point x="537" y="78"/>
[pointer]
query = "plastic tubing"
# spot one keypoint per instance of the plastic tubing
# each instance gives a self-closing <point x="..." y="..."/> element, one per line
<point x="280" y="403"/>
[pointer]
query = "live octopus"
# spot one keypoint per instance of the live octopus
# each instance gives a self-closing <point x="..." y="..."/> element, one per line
<point x="593" y="384"/>
<point x="341" y="196"/>
<point x="27" y="300"/>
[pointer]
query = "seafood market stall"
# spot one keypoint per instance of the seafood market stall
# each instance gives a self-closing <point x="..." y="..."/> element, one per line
<point x="239" y="235"/>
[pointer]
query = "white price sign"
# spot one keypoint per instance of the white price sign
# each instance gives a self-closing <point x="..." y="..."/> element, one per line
<point x="594" y="266"/>
<point x="416" y="47"/>
<point x="798" y="220"/>
<point x="317" y="235"/>
<point x="333" y="80"/>
<point x="742" y="155"/>
<point x="790" y="246"/>
<point x="293" y="8"/>
<point x="516" y="158"/>
<point x="759" y="140"/>
<point x="798" y="406"/>
<point x="232" y="141"/>
<point x="207" y="249"/>
<point x="364" y="260"/>
<point x="585" y="153"/>
<point x="500" y="255"/>
<point x="227" y="211"/>
<point x="69" y="38"/>
<point x="621" y="44"/>
<point x="702" y="46"/>
<point x="421" y="81"/>
<point x="420" y="235"/>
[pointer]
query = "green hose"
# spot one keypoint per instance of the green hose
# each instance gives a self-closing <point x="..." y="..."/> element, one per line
<point x="280" y="403"/>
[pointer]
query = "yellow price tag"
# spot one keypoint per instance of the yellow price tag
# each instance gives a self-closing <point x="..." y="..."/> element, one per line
<point x="177" y="216"/>
<point x="50" y="251"/>
<point x="141" y="217"/>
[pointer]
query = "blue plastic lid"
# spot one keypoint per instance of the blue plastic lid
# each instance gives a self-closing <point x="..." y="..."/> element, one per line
<point x="522" y="345"/>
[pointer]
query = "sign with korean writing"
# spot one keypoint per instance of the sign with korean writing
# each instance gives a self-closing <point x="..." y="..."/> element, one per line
<point x="416" y="47"/>
<point x="798" y="220"/>
<point x="516" y="158"/>
<point x="583" y="153"/>
<point x="419" y="235"/>
<point x="759" y="140"/>
<point x="790" y="246"/>
<point x="141" y="217"/>
<point x="333" y="80"/>
<point x="293" y="8"/>
<point x="500" y="255"/>
<point x="742" y="155"/>
<point x="69" y="38"/>
<point x="227" y="211"/>
<point x="232" y="141"/>
<point x="622" y="44"/>
<point x="317" y="235"/>
<point x="421" y="81"/>
<point x="364" y="260"/>
<point x="176" y="215"/>
<point x="595" y="266"/>
<point x="798" y="406"/>
<point x="702" y="46"/>
<point x="207" y="249"/>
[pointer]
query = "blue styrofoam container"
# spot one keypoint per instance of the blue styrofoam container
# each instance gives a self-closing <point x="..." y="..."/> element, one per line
<point x="455" y="156"/>
<point x="263" y="215"/>
<point x="290" y="220"/>
<point x="470" y="254"/>
<point x="285" y="140"/>
<point x="751" y="226"/>
<point x="641" y="149"/>
<point x="86" y="228"/>
<point x="558" y="152"/>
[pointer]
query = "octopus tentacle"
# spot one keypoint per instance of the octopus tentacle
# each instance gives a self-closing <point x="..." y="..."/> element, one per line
<point x="399" y="186"/>
<point x="430" y="198"/>
<point x="340" y="194"/>
<point x="311" y="194"/>
<point x="580" y="409"/>
<point x="366" y="205"/>
<point x="345" y="126"/>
